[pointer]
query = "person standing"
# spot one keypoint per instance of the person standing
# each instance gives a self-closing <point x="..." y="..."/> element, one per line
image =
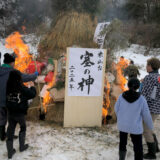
<point x="0" y="58"/>
<point x="17" y="96"/>
<point x="131" y="109"/>
<point x="151" y="91"/>
<point x="5" y="69"/>
<point x="131" y="71"/>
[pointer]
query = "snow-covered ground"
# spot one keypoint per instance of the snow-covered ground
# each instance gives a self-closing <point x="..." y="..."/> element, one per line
<point x="53" y="142"/>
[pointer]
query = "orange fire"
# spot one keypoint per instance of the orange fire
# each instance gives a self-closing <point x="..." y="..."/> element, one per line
<point x="15" y="42"/>
<point x="104" y="113"/>
<point x="107" y="95"/>
<point x="46" y="98"/>
<point x="23" y="59"/>
<point x="121" y="80"/>
<point x="106" y="102"/>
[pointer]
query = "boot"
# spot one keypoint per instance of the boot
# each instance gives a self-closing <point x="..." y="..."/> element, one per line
<point x="15" y="137"/>
<point x="151" y="151"/>
<point x="138" y="155"/>
<point x="10" y="149"/>
<point x="156" y="142"/>
<point x="22" y="145"/>
<point x="122" y="155"/>
<point x="2" y="133"/>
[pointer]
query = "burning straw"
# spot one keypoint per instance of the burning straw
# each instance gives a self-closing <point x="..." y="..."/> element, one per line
<point x="15" y="42"/>
<point x="121" y="65"/>
<point x="23" y="59"/>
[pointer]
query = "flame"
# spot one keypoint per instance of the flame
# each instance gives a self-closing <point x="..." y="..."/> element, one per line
<point x="104" y="112"/>
<point x="47" y="98"/>
<point x="23" y="59"/>
<point x="106" y="102"/>
<point x="122" y="64"/>
<point x="107" y="95"/>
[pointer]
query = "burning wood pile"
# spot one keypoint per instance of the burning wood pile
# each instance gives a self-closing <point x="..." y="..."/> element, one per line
<point x="48" y="72"/>
<point x="51" y="79"/>
<point x="115" y="84"/>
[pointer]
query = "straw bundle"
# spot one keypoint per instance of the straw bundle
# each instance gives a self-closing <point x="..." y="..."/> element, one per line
<point x="71" y="28"/>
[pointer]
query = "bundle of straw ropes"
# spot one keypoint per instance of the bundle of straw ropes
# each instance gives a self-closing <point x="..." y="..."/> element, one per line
<point x="70" y="28"/>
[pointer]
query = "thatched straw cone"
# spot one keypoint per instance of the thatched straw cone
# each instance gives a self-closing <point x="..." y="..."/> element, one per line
<point x="70" y="29"/>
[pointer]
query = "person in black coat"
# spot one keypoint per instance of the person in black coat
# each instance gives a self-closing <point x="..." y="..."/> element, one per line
<point x="17" y="96"/>
<point x="9" y="62"/>
<point x="151" y="91"/>
<point x="0" y="58"/>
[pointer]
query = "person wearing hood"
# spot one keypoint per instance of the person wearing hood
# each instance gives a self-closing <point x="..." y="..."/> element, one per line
<point x="5" y="69"/>
<point x="151" y="91"/>
<point x="131" y="110"/>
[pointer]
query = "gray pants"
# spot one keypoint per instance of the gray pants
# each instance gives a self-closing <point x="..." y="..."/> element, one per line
<point x="3" y="116"/>
<point x="148" y="134"/>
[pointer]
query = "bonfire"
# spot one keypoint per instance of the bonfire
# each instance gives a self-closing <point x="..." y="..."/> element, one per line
<point x="23" y="60"/>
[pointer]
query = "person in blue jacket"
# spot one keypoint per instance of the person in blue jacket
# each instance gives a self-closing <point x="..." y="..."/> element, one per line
<point x="131" y="110"/>
<point x="5" y="69"/>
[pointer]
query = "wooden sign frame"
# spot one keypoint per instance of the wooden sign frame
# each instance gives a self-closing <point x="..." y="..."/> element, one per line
<point x="82" y="111"/>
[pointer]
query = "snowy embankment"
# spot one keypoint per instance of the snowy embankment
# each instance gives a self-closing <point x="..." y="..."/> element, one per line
<point x="53" y="142"/>
<point x="136" y="53"/>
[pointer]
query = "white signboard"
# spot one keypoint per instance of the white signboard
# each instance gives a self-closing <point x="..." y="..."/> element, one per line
<point x="85" y="72"/>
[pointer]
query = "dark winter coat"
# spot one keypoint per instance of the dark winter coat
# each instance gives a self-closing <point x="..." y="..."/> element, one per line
<point x="17" y="103"/>
<point x="151" y="91"/>
<point x="131" y="71"/>
<point x="4" y="74"/>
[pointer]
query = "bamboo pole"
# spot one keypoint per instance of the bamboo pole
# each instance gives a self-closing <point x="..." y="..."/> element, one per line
<point x="41" y="105"/>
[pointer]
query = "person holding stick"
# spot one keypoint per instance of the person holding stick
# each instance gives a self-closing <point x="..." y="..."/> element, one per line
<point x="5" y="69"/>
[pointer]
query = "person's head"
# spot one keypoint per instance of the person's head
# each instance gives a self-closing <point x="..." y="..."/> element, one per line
<point x="133" y="84"/>
<point x="14" y="82"/>
<point x="153" y="64"/>
<point x="121" y="58"/>
<point x="131" y="62"/>
<point x="9" y="59"/>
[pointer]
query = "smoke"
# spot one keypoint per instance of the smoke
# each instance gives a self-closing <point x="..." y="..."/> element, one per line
<point x="31" y="13"/>
<point x="122" y="2"/>
<point x="111" y="9"/>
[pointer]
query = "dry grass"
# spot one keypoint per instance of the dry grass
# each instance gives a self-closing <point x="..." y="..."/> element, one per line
<point x="70" y="29"/>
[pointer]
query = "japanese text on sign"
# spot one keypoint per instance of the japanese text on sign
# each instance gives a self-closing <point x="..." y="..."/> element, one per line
<point x="85" y="72"/>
